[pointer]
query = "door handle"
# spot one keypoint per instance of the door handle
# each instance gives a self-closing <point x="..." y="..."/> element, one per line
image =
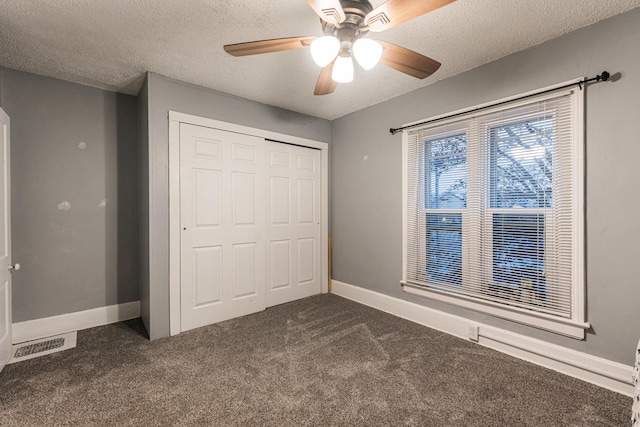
<point x="15" y="267"/>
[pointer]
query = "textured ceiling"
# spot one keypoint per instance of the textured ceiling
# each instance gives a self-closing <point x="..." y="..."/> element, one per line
<point x="111" y="43"/>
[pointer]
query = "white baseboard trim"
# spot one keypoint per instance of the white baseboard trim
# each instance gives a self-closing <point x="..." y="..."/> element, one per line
<point x="55" y="325"/>
<point x="596" y="370"/>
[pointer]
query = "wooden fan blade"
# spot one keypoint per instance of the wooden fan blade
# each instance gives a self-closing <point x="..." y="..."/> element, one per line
<point x="267" y="46"/>
<point x="325" y="84"/>
<point x="395" y="12"/>
<point x="407" y="61"/>
<point x="328" y="10"/>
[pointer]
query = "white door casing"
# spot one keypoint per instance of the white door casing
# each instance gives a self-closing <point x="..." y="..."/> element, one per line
<point x="293" y="222"/>
<point x="222" y="225"/>
<point x="5" y="243"/>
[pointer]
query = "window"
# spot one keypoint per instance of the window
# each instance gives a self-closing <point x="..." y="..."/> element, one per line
<point x="493" y="212"/>
<point x="445" y="173"/>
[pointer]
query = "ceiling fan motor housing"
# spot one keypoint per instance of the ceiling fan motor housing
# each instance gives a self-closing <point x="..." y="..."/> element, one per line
<point x="353" y="26"/>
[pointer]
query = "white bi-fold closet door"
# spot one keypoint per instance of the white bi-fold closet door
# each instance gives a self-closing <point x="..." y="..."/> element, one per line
<point x="293" y="222"/>
<point x="250" y="224"/>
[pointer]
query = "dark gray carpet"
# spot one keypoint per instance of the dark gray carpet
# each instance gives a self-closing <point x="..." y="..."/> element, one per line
<point x="320" y="361"/>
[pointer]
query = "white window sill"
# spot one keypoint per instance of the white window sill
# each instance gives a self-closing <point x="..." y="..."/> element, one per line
<point x="568" y="327"/>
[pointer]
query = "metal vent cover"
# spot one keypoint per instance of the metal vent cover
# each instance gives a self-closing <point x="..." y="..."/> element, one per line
<point x="30" y="349"/>
<point x="39" y="347"/>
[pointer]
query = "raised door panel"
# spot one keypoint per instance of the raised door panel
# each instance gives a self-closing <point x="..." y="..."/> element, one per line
<point x="307" y="264"/>
<point x="280" y="203"/>
<point x="245" y="282"/>
<point x="279" y="263"/>
<point x="208" y="275"/>
<point x="279" y="159"/>
<point x="207" y="148"/>
<point x="306" y="163"/>
<point x="207" y="188"/>
<point x="244" y="199"/>
<point x="243" y="153"/>
<point x="306" y="198"/>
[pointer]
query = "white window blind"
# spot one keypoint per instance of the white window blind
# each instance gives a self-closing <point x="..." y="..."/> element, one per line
<point x="493" y="211"/>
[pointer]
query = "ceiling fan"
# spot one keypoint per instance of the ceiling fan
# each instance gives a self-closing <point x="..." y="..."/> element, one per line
<point x="345" y="24"/>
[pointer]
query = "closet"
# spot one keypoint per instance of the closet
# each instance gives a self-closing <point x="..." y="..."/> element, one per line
<point x="250" y="224"/>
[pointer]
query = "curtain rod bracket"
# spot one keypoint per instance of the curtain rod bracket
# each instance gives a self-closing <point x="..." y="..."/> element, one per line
<point x="604" y="76"/>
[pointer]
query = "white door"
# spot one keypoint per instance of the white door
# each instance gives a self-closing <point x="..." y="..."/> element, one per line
<point x="5" y="243"/>
<point x="222" y="225"/>
<point x="293" y="223"/>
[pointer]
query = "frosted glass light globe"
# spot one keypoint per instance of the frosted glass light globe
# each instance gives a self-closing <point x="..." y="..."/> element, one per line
<point x="367" y="52"/>
<point x="324" y="49"/>
<point x="342" y="70"/>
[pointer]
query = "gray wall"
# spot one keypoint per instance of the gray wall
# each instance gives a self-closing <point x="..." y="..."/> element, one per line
<point x="366" y="205"/>
<point x="165" y="95"/>
<point x="143" y="177"/>
<point x="87" y="256"/>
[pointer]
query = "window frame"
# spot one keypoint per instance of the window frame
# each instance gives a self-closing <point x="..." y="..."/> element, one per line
<point x="574" y="326"/>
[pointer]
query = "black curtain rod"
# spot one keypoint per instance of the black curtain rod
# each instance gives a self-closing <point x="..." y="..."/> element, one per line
<point x="602" y="77"/>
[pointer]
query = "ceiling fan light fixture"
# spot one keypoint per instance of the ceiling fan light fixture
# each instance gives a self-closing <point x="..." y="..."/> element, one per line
<point x="324" y="50"/>
<point x="343" y="70"/>
<point x="344" y="24"/>
<point x="367" y="52"/>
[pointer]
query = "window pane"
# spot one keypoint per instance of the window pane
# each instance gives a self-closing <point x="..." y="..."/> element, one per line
<point x="518" y="257"/>
<point x="521" y="168"/>
<point x="446" y="173"/>
<point x="444" y="248"/>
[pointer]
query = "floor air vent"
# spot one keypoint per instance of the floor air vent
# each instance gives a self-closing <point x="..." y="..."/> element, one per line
<point x="30" y="349"/>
